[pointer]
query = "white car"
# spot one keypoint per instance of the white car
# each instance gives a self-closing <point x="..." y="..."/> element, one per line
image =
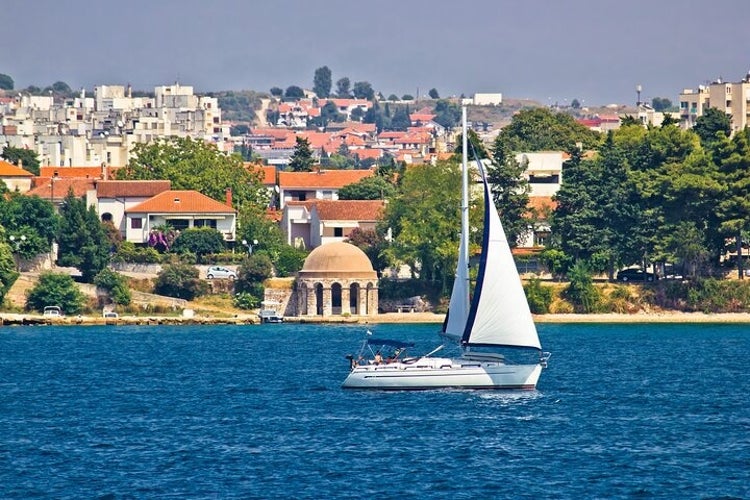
<point x="220" y="272"/>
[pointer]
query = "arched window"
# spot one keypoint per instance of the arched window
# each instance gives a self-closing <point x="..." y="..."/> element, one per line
<point x="336" y="298"/>
<point x="319" y="299"/>
<point x="354" y="298"/>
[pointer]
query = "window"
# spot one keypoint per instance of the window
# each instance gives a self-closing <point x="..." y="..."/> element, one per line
<point x="179" y="224"/>
<point x="205" y="223"/>
<point x="338" y="232"/>
<point x="136" y="223"/>
<point x="327" y="195"/>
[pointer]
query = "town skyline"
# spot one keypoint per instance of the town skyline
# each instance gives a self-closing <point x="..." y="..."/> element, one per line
<point x="582" y="50"/>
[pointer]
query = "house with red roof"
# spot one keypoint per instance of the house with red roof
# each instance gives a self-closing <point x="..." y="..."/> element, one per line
<point x="180" y="210"/>
<point x="317" y="222"/>
<point x="111" y="199"/>
<point x="55" y="189"/>
<point x="15" y="178"/>
<point x="319" y="184"/>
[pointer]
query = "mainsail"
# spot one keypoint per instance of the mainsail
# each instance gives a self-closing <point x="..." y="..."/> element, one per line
<point x="499" y="313"/>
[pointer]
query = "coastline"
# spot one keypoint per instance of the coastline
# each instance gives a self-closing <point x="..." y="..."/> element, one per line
<point x="15" y="319"/>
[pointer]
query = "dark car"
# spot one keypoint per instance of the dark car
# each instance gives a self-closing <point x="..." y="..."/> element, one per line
<point x="634" y="275"/>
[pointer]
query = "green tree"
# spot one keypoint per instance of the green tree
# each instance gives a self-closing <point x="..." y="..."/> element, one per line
<point x="25" y="158"/>
<point x="575" y="220"/>
<point x="540" y="129"/>
<point x="368" y="188"/>
<point x="433" y="93"/>
<point x="294" y="92"/>
<point x="277" y="91"/>
<point x="181" y="281"/>
<point x="82" y="239"/>
<point x="254" y="270"/>
<point x="329" y="113"/>
<point x="31" y="217"/>
<point x="734" y="207"/>
<point x="55" y="289"/>
<point x="615" y="200"/>
<point x="322" y="82"/>
<point x="302" y="157"/>
<point x="423" y="217"/>
<point x="539" y="296"/>
<point x="195" y="165"/>
<point x="510" y="192"/>
<point x="289" y="261"/>
<point x="401" y="120"/>
<point x="363" y="90"/>
<point x="343" y="88"/>
<point x="373" y="243"/>
<point x="62" y="88"/>
<point x="6" y="82"/>
<point x="713" y="125"/>
<point x="581" y="291"/>
<point x="200" y="241"/>
<point x="447" y="114"/>
<point x="407" y="97"/>
<point x="116" y="286"/>
<point x="8" y="274"/>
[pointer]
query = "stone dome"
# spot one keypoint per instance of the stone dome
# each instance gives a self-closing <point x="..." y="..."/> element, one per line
<point x="337" y="259"/>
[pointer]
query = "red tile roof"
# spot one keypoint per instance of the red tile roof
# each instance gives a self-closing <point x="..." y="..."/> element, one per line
<point x="9" y="170"/>
<point x="268" y="173"/>
<point x="131" y="189"/>
<point x="181" y="202"/>
<point x="352" y="210"/>
<point x="80" y="172"/>
<point x="322" y="179"/>
<point x="44" y="187"/>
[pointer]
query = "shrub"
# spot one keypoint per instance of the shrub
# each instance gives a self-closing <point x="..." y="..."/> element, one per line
<point x="115" y="284"/>
<point x="581" y="291"/>
<point x="199" y="241"/>
<point x="246" y="300"/>
<point x="289" y="261"/>
<point x="255" y="269"/>
<point x="55" y="290"/>
<point x="181" y="281"/>
<point x="538" y="296"/>
<point x="128" y="252"/>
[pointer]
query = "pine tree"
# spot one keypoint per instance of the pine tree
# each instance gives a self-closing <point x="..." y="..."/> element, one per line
<point x="82" y="239"/>
<point x="302" y="158"/>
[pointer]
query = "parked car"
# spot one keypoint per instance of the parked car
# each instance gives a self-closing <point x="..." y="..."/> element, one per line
<point x="635" y="275"/>
<point x="220" y="272"/>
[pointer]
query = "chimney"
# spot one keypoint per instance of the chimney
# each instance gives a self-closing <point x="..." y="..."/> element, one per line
<point x="229" y="197"/>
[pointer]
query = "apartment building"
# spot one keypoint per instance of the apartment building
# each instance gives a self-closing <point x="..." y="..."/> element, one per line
<point x="91" y="131"/>
<point x="729" y="97"/>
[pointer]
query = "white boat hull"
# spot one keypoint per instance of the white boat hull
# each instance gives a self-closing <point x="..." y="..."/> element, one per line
<point x="438" y="373"/>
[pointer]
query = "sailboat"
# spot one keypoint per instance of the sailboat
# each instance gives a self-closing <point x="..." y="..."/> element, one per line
<point x="496" y="318"/>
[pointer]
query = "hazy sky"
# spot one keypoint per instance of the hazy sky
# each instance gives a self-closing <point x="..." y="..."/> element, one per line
<point x="596" y="51"/>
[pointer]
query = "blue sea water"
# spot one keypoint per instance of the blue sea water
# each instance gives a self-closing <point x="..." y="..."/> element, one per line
<point x="623" y="411"/>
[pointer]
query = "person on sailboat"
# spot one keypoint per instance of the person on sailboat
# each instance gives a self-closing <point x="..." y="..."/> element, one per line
<point x="378" y="358"/>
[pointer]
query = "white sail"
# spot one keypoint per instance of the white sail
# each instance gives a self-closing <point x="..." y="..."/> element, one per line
<point x="458" y="308"/>
<point x="499" y="314"/>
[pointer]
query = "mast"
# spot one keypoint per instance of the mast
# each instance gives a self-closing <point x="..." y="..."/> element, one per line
<point x="464" y="244"/>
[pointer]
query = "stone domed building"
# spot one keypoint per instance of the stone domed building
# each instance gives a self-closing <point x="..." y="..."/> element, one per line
<point x="337" y="278"/>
